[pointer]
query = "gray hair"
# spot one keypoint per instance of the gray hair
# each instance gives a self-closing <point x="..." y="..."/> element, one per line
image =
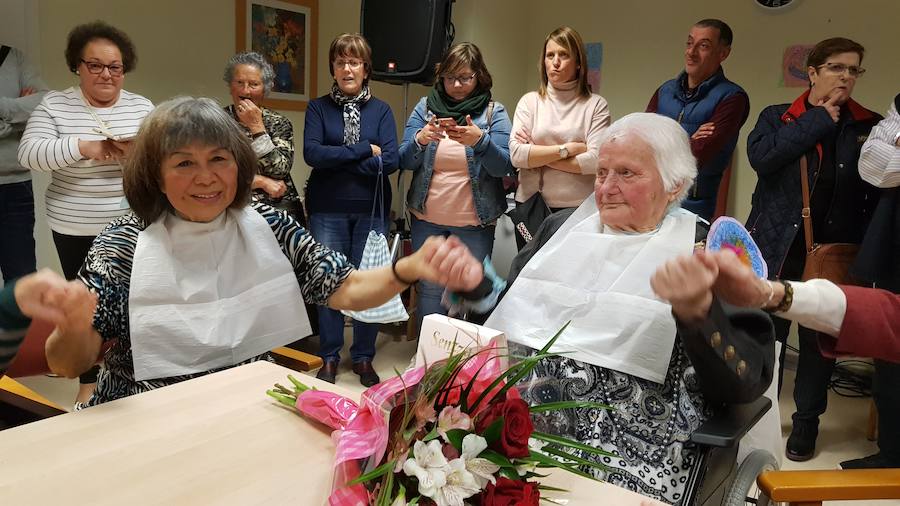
<point x="669" y="142"/>
<point x="172" y="125"/>
<point x="255" y="59"/>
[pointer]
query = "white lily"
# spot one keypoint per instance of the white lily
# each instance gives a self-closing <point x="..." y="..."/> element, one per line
<point x="482" y="470"/>
<point x="460" y="485"/>
<point x="428" y="465"/>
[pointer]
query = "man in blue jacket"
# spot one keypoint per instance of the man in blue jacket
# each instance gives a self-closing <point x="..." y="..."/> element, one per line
<point x="708" y="106"/>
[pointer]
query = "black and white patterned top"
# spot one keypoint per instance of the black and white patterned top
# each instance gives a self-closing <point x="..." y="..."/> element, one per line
<point x="649" y="427"/>
<point x="107" y="271"/>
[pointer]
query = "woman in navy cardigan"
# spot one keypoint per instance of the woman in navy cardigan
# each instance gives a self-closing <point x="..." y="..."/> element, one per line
<point x="349" y="136"/>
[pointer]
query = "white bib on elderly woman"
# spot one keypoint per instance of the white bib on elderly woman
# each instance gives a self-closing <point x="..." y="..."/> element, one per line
<point x="600" y="280"/>
<point x="210" y="295"/>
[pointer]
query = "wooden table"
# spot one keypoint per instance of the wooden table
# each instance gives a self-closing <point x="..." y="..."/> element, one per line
<point x="213" y="440"/>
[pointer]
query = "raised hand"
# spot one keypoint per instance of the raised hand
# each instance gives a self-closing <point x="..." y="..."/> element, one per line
<point x="686" y="283"/>
<point x="48" y="296"/>
<point x="449" y="263"/>
<point x="250" y="115"/>
<point x="467" y="135"/>
<point x="431" y="132"/>
<point x="832" y="105"/>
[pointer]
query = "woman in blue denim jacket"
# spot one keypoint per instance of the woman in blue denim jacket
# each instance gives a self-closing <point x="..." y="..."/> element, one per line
<point x="456" y="144"/>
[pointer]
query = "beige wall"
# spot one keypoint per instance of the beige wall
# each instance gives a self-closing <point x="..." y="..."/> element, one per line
<point x="182" y="46"/>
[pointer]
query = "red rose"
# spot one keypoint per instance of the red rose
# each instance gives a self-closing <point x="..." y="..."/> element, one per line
<point x="511" y="493"/>
<point x="517" y="427"/>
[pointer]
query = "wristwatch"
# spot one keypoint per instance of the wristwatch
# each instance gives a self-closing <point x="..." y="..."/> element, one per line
<point x="563" y="152"/>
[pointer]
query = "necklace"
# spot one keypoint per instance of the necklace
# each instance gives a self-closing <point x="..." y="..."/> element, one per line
<point x="656" y="457"/>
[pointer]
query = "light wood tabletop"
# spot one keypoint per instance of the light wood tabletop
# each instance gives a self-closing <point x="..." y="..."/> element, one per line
<point x="218" y="439"/>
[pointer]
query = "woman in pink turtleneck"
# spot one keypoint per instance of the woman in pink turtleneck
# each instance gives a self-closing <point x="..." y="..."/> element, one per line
<point x="557" y="128"/>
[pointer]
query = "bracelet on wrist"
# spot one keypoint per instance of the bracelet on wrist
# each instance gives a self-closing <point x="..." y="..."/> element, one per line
<point x="397" y="276"/>
<point x="257" y="135"/>
<point x="785" y="303"/>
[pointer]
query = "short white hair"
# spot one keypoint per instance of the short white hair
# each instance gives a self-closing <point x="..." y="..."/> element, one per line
<point x="669" y="142"/>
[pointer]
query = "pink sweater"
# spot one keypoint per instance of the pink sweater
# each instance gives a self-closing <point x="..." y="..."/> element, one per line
<point x="559" y="118"/>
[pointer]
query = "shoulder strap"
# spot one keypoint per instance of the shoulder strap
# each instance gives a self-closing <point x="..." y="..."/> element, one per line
<point x="490" y="115"/>
<point x="4" y="50"/>
<point x="807" y="219"/>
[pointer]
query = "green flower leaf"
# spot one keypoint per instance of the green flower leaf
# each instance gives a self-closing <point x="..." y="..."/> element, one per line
<point x="557" y="406"/>
<point x="387" y="467"/>
<point x="568" y="443"/>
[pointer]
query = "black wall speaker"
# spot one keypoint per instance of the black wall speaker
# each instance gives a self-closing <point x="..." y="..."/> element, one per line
<point x="408" y="37"/>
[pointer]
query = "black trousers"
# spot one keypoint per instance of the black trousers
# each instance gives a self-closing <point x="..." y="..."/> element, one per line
<point x="72" y="249"/>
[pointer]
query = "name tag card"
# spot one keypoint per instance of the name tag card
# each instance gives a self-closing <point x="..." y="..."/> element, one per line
<point x="440" y="334"/>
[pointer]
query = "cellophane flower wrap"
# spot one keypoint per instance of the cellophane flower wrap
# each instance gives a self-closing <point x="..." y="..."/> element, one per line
<point x="450" y="434"/>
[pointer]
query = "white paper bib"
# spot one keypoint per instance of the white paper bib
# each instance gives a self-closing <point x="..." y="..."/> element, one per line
<point x="601" y="282"/>
<point x="209" y="295"/>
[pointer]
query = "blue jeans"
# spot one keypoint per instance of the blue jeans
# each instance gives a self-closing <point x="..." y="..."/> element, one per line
<point x="479" y="240"/>
<point x="345" y="233"/>
<point x="16" y="230"/>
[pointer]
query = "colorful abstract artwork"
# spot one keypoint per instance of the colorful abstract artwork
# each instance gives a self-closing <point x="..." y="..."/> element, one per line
<point x="793" y="66"/>
<point x="595" y="62"/>
<point x="284" y="32"/>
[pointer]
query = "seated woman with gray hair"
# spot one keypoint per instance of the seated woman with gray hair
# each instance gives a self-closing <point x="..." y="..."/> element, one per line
<point x="661" y="367"/>
<point x="198" y="278"/>
<point x="250" y="78"/>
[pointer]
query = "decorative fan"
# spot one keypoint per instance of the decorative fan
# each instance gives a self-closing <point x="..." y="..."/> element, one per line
<point x="729" y="234"/>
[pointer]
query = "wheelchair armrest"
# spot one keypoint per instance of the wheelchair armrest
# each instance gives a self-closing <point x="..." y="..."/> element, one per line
<point x="729" y="424"/>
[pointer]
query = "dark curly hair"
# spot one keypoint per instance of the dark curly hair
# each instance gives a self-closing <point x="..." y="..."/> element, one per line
<point x="81" y="35"/>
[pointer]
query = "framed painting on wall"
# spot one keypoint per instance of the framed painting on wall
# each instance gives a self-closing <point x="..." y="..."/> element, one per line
<point x="285" y="33"/>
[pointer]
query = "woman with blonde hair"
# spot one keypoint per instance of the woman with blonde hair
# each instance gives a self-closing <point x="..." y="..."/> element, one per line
<point x="556" y="129"/>
<point x="456" y="144"/>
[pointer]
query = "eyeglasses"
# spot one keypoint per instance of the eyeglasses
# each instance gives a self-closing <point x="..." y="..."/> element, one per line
<point x="840" y="68"/>
<point x="253" y="85"/>
<point x="463" y="80"/>
<point x="94" y="67"/>
<point x="353" y="64"/>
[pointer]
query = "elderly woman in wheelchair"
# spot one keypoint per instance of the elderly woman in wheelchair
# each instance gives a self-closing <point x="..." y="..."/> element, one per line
<point x="666" y="367"/>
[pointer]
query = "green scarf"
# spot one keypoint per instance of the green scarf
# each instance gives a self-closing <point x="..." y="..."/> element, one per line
<point x="445" y="107"/>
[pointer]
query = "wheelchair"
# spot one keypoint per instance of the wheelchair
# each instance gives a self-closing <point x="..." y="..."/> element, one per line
<point x="716" y="479"/>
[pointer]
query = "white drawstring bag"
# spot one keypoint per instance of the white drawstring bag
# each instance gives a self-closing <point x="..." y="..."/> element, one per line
<point x="377" y="254"/>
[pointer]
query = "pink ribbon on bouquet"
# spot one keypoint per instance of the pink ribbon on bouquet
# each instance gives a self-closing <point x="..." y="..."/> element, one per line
<point x="361" y="432"/>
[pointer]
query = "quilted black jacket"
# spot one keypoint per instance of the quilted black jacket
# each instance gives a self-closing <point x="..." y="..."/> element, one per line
<point x="785" y="132"/>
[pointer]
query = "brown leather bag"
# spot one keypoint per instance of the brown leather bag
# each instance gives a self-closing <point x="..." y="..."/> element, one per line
<point x="827" y="261"/>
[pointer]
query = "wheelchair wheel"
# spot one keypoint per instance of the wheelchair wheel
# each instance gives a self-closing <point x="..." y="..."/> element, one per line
<point x="744" y="490"/>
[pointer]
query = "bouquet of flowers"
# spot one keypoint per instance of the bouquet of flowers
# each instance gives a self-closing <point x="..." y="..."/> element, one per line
<point x="453" y="433"/>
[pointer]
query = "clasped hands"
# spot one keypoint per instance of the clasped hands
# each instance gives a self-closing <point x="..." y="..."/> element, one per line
<point x="689" y="282"/>
<point x="45" y="295"/>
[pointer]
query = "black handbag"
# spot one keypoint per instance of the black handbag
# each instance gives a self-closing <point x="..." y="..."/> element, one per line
<point x="527" y="216"/>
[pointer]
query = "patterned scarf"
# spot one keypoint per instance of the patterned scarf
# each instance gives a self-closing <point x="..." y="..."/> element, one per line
<point x="351" y="111"/>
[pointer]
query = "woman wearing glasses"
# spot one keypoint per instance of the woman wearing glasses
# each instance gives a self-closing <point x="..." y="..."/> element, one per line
<point x="81" y="136"/>
<point x="827" y="128"/>
<point x="556" y="129"/>
<point x="250" y="78"/>
<point x="456" y="143"/>
<point x="349" y="139"/>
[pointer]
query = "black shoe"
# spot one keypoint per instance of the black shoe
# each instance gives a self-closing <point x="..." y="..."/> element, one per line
<point x="366" y="372"/>
<point x="328" y="371"/>
<point x="877" y="461"/>
<point x="801" y="444"/>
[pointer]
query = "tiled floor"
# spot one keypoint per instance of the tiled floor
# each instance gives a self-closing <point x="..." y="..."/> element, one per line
<point x="841" y="433"/>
